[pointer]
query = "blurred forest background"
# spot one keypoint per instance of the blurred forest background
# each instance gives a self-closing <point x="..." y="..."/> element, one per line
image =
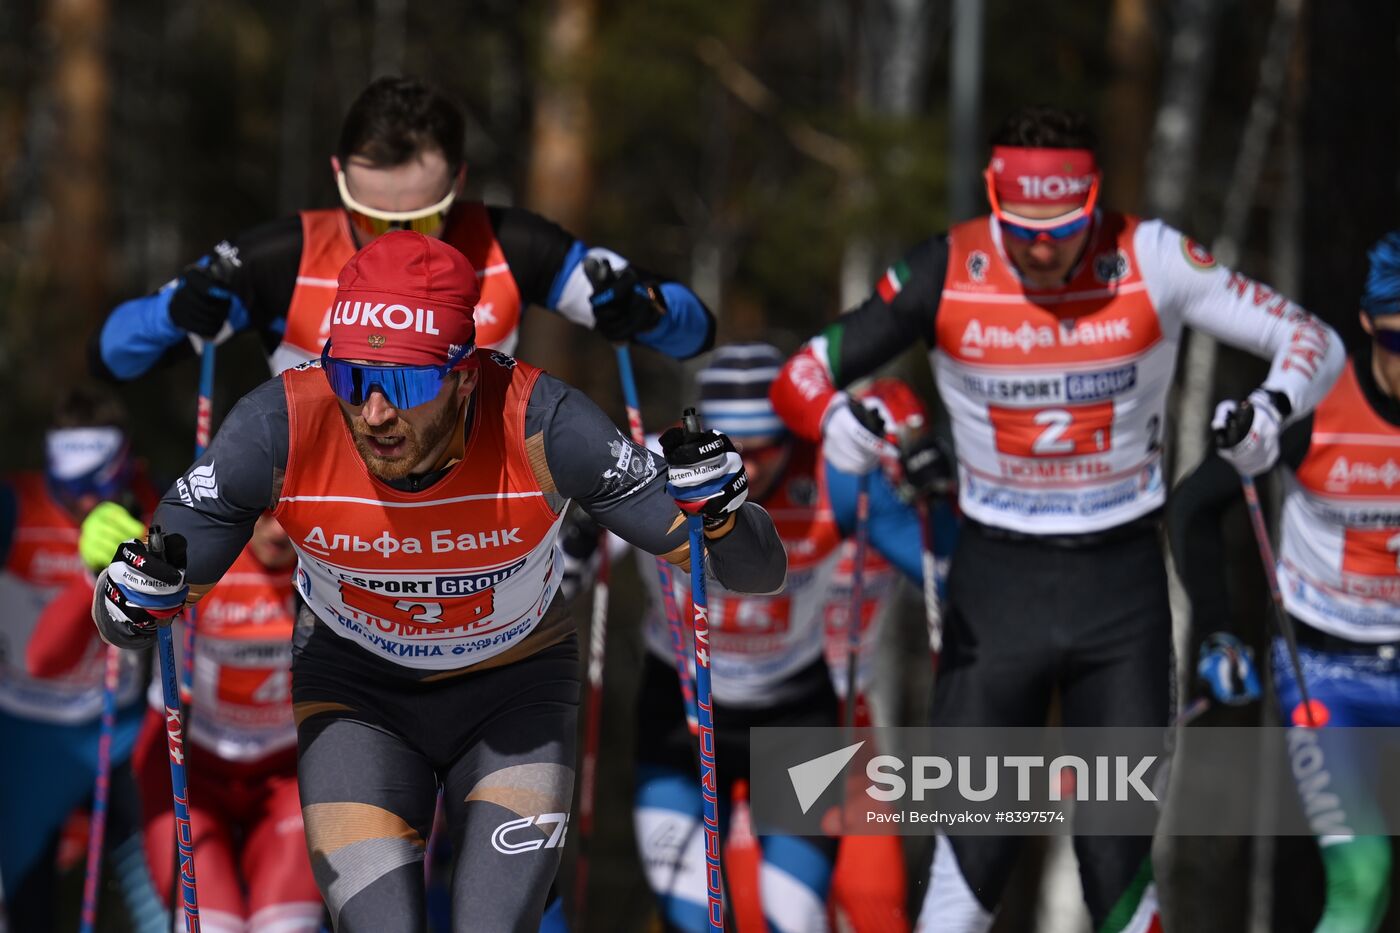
<point x="775" y="155"/>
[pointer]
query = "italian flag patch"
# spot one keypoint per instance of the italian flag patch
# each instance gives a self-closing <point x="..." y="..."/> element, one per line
<point x="892" y="282"/>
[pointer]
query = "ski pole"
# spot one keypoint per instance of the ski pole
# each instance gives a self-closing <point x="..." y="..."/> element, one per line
<point x="175" y="741"/>
<point x="663" y="569"/>
<point x="203" y="423"/>
<point x="1236" y="427"/>
<point x="853" y="617"/>
<point x="97" y="832"/>
<point x="588" y="770"/>
<point x="704" y="705"/>
<point x="601" y="275"/>
<point x="933" y="612"/>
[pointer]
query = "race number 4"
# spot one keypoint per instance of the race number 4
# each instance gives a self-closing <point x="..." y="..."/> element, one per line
<point x="1053" y="432"/>
<point x="254" y="686"/>
<point x="752" y="616"/>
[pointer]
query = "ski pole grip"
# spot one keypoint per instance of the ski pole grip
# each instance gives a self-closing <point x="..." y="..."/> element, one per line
<point x="691" y="419"/>
<point x="1237" y="425"/>
<point x="599" y="272"/>
<point x="155" y="542"/>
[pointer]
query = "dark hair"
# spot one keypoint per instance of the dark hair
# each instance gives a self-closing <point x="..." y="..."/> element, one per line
<point x="1046" y="128"/>
<point x="395" y="119"/>
<point x="87" y="406"/>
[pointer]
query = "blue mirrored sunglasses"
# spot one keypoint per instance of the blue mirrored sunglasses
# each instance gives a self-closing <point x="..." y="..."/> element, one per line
<point x="1389" y="340"/>
<point x="106" y="482"/>
<point x="1030" y="234"/>
<point x="402" y="386"/>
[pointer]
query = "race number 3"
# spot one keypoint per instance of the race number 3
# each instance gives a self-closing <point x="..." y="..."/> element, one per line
<point x="1053" y="432"/>
<point x="456" y="612"/>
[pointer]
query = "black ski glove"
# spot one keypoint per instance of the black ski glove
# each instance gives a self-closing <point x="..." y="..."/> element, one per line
<point x="624" y="304"/>
<point x="204" y="296"/>
<point x="706" y="476"/>
<point x="140" y="590"/>
<point x="929" y="468"/>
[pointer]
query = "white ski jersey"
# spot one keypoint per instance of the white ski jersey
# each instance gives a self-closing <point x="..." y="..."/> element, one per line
<point x="1058" y="399"/>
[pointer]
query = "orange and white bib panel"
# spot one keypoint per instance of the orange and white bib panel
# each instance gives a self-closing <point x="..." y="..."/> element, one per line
<point x="43" y="562"/>
<point x="243" y="664"/>
<point x="327" y="245"/>
<point x="760" y="641"/>
<point x="433" y="580"/>
<point x="1339" y="560"/>
<point x="1057" y="398"/>
<point x="879" y="584"/>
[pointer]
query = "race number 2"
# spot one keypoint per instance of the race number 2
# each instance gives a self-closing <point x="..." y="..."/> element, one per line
<point x="1072" y="431"/>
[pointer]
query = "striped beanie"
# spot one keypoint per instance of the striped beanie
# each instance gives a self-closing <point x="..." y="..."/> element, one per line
<point x="734" y="391"/>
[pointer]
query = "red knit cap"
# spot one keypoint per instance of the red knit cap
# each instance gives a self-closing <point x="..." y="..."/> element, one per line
<point x="405" y="298"/>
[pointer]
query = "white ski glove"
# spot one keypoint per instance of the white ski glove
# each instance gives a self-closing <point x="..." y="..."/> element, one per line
<point x="1247" y="433"/>
<point x="853" y="436"/>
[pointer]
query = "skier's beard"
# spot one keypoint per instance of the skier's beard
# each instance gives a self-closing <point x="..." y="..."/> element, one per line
<point x="408" y="455"/>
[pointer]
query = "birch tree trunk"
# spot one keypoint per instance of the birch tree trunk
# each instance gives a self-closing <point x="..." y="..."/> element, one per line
<point x="965" y="89"/>
<point x="1128" y="103"/>
<point x="560" y="177"/>
<point x="891" y="56"/>
<point x="1198" y="381"/>
<point x="76" y="240"/>
<point x="1176" y="130"/>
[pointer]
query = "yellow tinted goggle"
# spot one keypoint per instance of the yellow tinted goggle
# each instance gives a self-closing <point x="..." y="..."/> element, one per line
<point x="368" y="220"/>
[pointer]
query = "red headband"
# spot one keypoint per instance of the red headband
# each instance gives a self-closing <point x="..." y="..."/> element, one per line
<point x="405" y="298"/>
<point x="1023" y="175"/>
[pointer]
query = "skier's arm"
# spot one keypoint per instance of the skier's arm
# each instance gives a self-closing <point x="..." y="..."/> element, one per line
<point x="218" y="500"/>
<point x="899" y="314"/>
<point x="64" y="635"/>
<point x="623" y="487"/>
<point x="257" y="269"/>
<point x="1195" y="527"/>
<point x="893" y="525"/>
<point x="547" y="263"/>
<point x="1306" y="354"/>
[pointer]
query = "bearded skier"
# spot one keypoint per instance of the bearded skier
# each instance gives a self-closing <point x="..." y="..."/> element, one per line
<point x="1053" y="328"/>
<point x="422" y="482"/>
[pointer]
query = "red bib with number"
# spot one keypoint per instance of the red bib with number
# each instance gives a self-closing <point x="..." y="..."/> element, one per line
<point x="1057" y="397"/>
<point x="1339" y="560"/>
<point x="761" y="641"/>
<point x="243" y="664"/>
<point x="42" y="563"/>
<point x="433" y="580"/>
